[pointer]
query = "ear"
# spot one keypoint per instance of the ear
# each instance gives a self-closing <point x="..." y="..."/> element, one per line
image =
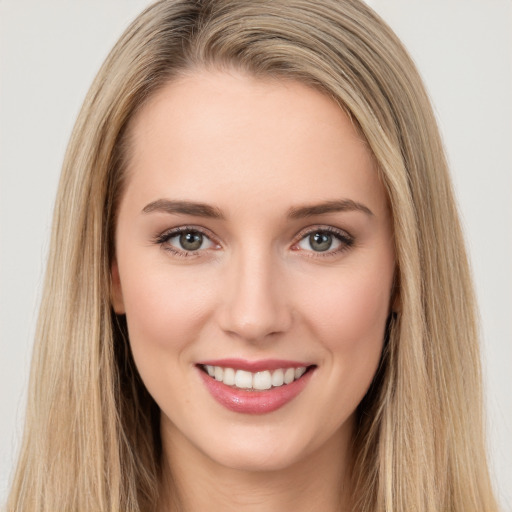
<point x="116" y="292"/>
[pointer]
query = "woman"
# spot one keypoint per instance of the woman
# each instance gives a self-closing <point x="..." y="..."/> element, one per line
<point x="257" y="277"/>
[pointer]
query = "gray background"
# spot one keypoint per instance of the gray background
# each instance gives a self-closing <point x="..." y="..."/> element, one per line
<point x="49" y="53"/>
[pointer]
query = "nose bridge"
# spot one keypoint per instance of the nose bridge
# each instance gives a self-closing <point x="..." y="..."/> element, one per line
<point x="256" y="303"/>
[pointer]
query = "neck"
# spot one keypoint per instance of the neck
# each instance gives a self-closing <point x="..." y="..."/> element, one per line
<point x="192" y="481"/>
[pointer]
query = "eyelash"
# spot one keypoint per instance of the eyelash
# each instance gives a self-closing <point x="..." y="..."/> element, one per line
<point x="346" y="240"/>
<point x="163" y="238"/>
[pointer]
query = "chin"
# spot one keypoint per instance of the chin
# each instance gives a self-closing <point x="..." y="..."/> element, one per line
<point x="267" y="449"/>
<point x="252" y="459"/>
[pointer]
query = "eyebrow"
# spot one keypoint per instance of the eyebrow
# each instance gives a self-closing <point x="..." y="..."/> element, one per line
<point x="299" y="212"/>
<point x="183" y="208"/>
<point x="342" y="205"/>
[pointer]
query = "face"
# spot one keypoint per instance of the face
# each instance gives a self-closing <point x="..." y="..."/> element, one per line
<point x="254" y="263"/>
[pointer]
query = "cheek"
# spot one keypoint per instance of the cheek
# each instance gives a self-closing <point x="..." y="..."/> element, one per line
<point x="165" y="312"/>
<point x="164" y="309"/>
<point x="351" y="308"/>
<point x="349" y="319"/>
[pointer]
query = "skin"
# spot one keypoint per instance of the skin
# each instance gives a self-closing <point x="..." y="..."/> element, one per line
<point x="253" y="150"/>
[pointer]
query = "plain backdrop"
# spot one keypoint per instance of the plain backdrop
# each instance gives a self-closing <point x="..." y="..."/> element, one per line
<point x="49" y="53"/>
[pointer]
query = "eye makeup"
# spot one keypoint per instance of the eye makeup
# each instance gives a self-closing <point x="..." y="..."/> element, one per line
<point x="324" y="241"/>
<point x="317" y="241"/>
<point x="186" y="241"/>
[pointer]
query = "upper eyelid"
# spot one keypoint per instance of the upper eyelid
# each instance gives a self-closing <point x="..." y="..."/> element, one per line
<point x="319" y="227"/>
<point x="169" y="233"/>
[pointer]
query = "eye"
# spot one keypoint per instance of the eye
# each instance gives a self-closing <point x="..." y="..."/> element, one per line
<point x="189" y="241"/>
<point x="325" y="240"/>
<point x="185" y="241"/>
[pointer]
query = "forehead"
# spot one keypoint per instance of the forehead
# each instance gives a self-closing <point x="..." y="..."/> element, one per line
<point x="218" y="133"/>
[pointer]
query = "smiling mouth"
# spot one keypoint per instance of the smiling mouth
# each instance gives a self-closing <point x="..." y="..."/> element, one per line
<point x="255" y="381"/>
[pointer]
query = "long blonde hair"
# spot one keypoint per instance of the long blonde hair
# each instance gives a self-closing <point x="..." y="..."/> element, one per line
<point x="91" y="439"/>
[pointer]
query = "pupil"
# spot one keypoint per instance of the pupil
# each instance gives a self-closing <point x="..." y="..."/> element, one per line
<point x="191" y="241"/>
<point x="320" y="241"/>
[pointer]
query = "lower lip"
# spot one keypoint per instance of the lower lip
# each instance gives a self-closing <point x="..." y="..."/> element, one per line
<point x="254" y="402"/>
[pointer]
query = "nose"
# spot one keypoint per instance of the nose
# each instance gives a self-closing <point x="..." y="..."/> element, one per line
<point x="255" y="305"/>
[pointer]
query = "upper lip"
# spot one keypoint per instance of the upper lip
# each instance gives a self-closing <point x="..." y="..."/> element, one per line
<point x="254" y="366"/>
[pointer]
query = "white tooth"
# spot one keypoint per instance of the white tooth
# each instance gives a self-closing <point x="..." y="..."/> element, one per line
<point x="243" y="379"/>
<point x="210" y="369"/>
<point x="218" y="373"/>
<point x="278" y="378"/>
<point x="299" y="372"/>
<point x="289" y="375"/>
<point x="262" y="380"/>
<point x="229" y="376"/>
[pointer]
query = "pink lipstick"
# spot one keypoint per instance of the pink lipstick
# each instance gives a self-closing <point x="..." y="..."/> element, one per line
<point x="254" y="387"/>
